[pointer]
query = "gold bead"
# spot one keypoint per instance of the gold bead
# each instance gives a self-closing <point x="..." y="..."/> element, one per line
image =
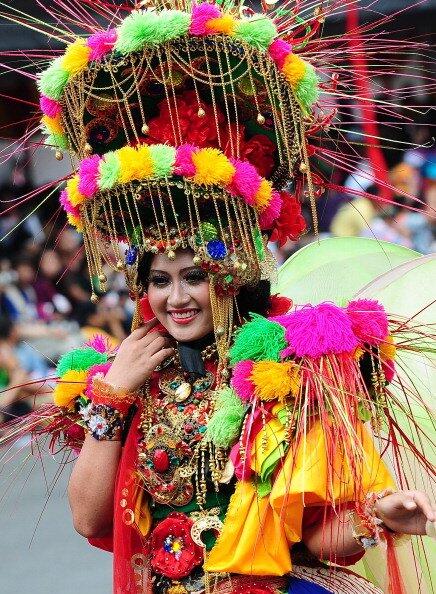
<point x="303" y="167"/>
<point x="260" y="119"/>
<point x="88" y="149"/>
<point x="102" y="278"/>
<point x="225" y="373"/>
<point x="145" y="129"/>
<point x="154" y="249"/>
<point x="196" y="260"/>
<point x="236" y="265"/>
<point x="120" y="265"/>
<point x="201" y="113"/>
<point x="220" y="331"/>
<point x="243" y="265"/>
<point x="59" y="155"/>
<point x="171" y="254"/>
<point x="94" y="298"/>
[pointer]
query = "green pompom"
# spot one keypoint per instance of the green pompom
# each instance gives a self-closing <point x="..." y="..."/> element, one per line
<point x="163" y="157"/>
<point x="109" y="171"/>
<point x="59" y="141"/>
<point x="307" y="91"/>
<point x="135" y="31"/>
<point x="224" y="427"/>
<point x="258" y="340"/>
<point x="79" y="360"/>
<point x="258" y="31"/>
<point x="52" y="81"/>
<point x="173" y="24"/>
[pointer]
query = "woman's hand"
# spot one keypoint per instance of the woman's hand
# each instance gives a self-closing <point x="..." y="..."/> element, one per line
<point x="138" y="356"/>
<point x="406" y="512"/>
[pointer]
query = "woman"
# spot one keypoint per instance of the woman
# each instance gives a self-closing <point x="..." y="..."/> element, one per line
<point x="178" y="294"/>
<point x="226" y="451"/>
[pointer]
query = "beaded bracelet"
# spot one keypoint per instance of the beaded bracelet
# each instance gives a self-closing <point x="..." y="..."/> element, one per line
<point x="105" y="423"/>
<point x="101" y="392"/>
<point x="366" y="527"/>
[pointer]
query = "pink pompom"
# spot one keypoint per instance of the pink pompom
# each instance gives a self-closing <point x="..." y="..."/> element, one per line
<point x="314" y="331"/>
<point x="201" y="13"/>
<point x="278" y="50"/>
<point x="101" y="368"/>
<point x="368" y="320"/>
<point x="101" y="43"/>
<point x="272" y="212"/>
<point x="245" y="182"/>
<point x="99" y="343"/>
<point x="88" y="174"/>
<point x="184" y="165"/>
<point x="49" y="107"/>
<point x="67" y="206"/>
<point x="241" y="382"/>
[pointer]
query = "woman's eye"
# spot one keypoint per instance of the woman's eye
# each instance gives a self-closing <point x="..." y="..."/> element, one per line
<point x="159" y="281"/>
<point x="195" y="278"/>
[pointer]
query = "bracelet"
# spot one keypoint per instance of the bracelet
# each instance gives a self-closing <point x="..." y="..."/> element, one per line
<point x="101" y="392"/>
<point x="105" y="423"/>
<point x="366" y="527"/>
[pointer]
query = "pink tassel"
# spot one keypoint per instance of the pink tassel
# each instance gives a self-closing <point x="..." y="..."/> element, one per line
<point x="241" y="382"/>
<point x="67" y="206"/>
<point x="245" y="182"/>
<point x="49" y="107"/>
<point x="278" y="50"/>
<point x="99" y="343"/>
<point x="102" y="368"/>
<point x="101" y="43"/>
<point x="272" y="212"/>
<point x="201" y="13"/>
<point x="314" y="331"/>
<point x="88" y="174"/>
<point x="184" y="165"/>
<point x="368" y="320"/>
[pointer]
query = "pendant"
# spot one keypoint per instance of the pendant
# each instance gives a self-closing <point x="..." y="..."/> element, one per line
<point x="203" y="524"/>
<point x="183" y="392"/>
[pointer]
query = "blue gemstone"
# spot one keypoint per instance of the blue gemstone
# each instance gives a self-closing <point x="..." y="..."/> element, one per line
<point x="216" y="249"/>
<point x="131" y="255"/>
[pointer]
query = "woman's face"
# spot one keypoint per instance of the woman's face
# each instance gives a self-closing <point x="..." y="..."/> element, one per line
<point x="178" y="293"/>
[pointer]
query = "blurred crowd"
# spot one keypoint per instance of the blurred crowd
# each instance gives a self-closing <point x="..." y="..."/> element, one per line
<point x="45" y="306"/>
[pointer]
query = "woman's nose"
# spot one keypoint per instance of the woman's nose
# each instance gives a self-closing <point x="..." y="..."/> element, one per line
<point x="178" y="296"/>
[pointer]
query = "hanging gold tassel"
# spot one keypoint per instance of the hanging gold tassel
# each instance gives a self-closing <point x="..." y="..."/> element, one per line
<point x="222" y="315"/>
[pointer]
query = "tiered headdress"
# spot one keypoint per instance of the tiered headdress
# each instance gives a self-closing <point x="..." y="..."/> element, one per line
<point x="188" y="124"/>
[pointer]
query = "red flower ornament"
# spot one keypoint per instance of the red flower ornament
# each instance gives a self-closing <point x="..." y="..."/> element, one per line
<point x="173" y="552"/>
<point x="291" y="223"/>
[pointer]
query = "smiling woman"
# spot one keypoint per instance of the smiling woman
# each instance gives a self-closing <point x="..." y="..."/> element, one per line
<point x="223" y="445"/>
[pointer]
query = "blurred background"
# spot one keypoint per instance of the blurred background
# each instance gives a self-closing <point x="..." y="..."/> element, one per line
<point x="45" y="306"/>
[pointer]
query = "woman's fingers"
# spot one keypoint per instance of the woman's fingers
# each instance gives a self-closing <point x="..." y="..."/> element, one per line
<point x="420" y="500"/>
<point x="143" y="330"/>
<point x="161" y="355"/>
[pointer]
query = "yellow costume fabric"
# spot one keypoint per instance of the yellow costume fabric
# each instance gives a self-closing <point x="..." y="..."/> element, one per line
<point x="259" y="532"/>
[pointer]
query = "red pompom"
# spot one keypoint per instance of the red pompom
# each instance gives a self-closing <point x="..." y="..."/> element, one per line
<point x="279" y="305"/>
<point x="290" y="224"/>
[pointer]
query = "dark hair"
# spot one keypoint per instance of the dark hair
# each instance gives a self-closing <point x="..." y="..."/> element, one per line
<point x="250" y="299"/>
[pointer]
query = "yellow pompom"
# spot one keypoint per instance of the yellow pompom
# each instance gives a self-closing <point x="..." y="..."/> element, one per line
<point x="275" y="381"/>
<point x="70" y="386"/>
<point x="53" y="125"/>
<point x="75" y="222"/>
<point x="388" y="349"/>
<point x="294" y="69"/>
<point x="212" y="167"/>
<point x="74" y="195"/>
<point x="130" y="163"/>
<point x="224" y="25"/>
<point x="76" y="57"/>
<point x="263" y="196"/>
<point x="145" y="162"/>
